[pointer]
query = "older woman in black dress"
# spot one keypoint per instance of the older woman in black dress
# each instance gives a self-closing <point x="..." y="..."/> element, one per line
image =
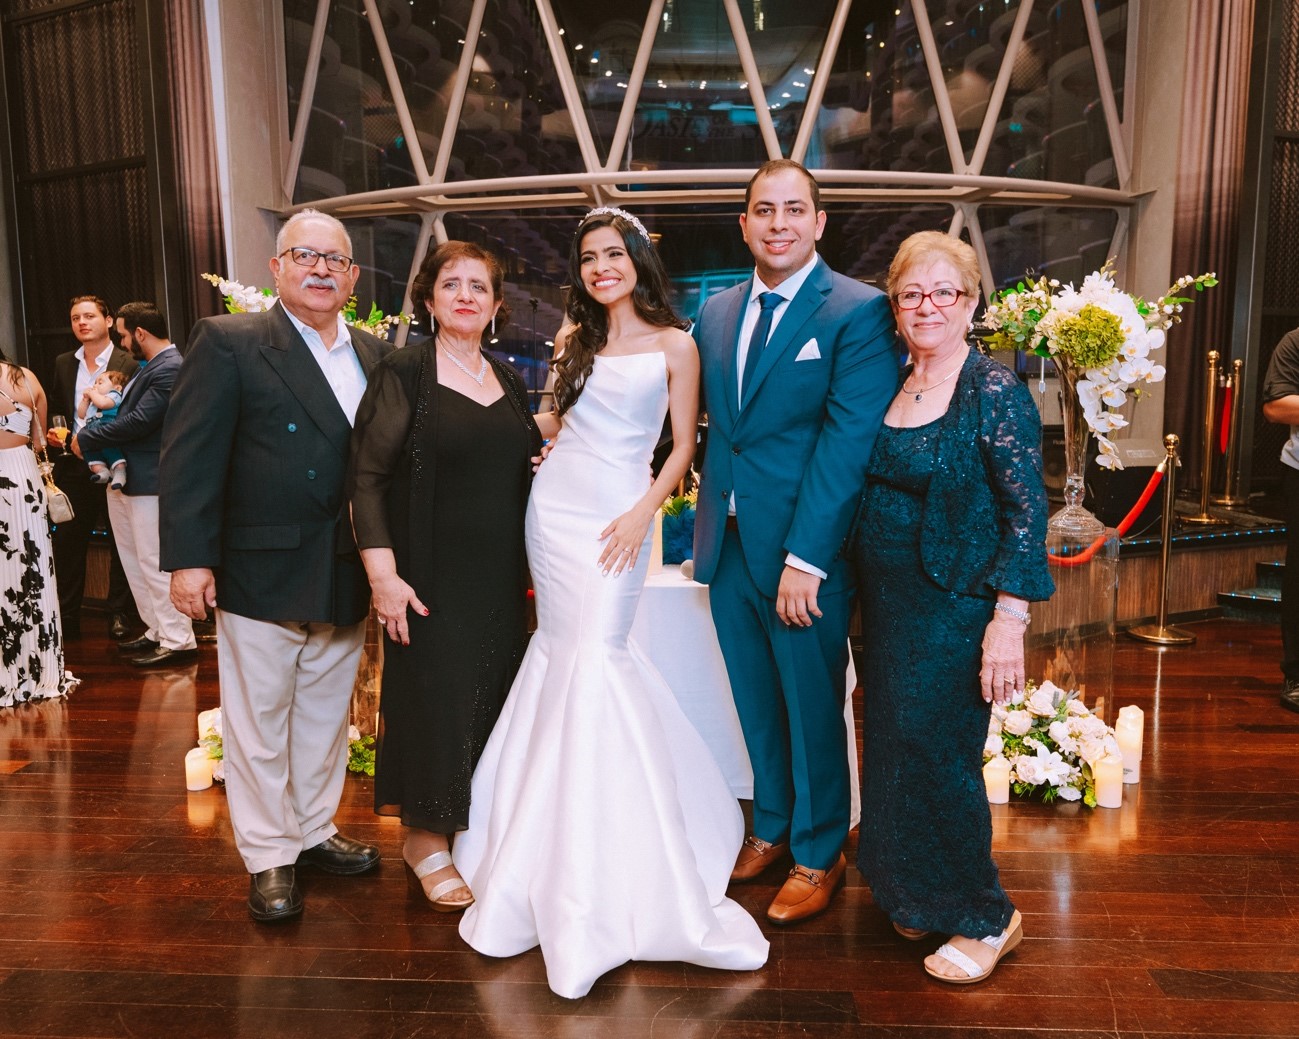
<point x="949" y="553"/>
<point x="439" y="483"/>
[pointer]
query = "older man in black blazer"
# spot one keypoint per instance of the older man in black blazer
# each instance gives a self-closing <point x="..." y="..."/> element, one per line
<point x="254" y="524"/>
<point x="136" y="431"/>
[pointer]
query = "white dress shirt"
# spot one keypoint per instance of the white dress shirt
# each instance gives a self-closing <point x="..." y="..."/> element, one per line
<point x="86" y="379"/>
<point x="787" y="289"/>
<point x="339" y="363"/>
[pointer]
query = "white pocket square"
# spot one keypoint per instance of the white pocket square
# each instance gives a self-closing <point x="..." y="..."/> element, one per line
<point x="810" y="352"/>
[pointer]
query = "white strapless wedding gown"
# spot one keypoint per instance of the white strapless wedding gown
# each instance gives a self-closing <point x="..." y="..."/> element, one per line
<point x="600" y="826"/>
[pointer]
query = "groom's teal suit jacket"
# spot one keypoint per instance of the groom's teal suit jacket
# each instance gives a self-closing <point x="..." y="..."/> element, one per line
<point x="795" y="452"/>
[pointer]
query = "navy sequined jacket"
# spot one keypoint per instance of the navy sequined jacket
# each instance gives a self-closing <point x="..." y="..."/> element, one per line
<point x="984" y="516"/>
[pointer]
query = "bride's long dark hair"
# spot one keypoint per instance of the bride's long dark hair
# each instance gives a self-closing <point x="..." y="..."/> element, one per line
<point x="652" y="298"/>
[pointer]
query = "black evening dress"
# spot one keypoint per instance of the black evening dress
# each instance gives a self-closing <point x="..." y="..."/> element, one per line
<point x="926" y="831"/>
<point x="444" y="482"/>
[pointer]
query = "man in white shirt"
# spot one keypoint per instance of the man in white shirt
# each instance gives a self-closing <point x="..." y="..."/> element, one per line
<point x="74" y="372"/>
<point x="253" y="523"/>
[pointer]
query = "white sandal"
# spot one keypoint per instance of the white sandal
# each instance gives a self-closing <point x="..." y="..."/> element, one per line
<point x="441" y="860"/>
<point x="1002" y="943"/>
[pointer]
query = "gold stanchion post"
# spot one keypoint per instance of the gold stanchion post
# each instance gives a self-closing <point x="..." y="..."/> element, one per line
<point x="1231" y="496"/>
<point x="1202" y="518"/>
<point x="1160" y="633"/>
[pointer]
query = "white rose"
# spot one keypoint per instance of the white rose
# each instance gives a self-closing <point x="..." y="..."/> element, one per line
<point x="353" y="734"/>
<point x="1017" y="723"/>
<point x="1029" y="770"/>
<point x="999" y="713"/>
<point x="993" y="746"/>
<point x="1041" y="703"/>
<point x="1078" y="708"/>
<point x="219" y="772"/>
<point x="1059" y="731"/>
<point x="994" y="725"/>
<point x="1091" y="750"/>
<point x="1068" y="793"/>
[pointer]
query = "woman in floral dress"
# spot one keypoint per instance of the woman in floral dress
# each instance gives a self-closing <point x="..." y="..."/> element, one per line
<point x="31" y="640"/>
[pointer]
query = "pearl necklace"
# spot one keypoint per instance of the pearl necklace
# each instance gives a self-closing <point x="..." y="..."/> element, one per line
<point x="482" y="372"/>
<point x="920" y="393"/>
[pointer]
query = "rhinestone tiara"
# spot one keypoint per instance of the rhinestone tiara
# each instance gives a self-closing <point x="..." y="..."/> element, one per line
<point x="615" y="211"/>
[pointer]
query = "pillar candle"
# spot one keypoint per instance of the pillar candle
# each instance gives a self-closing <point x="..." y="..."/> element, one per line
<point x="996" y="777"/>
<point x="205" y="721"/>
<point x="1109" y="782"/>
<point x="656" y="544"/>
<point x="1133" y="716"/>
<point x="1129" y="737"/>
<point x="198" y="770"/>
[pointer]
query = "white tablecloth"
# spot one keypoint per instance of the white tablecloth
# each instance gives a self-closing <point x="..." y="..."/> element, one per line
<point x="675" y="629"/>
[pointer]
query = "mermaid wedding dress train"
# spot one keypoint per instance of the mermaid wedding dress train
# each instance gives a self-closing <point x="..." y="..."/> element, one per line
<point x="600" y="826"/>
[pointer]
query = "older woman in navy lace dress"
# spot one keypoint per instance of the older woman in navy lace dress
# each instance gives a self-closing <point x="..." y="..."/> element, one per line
<point x="950" y="551"/>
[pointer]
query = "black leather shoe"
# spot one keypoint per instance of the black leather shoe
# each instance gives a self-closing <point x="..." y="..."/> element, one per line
<point x="118" y="629"/>
<point x="143" y="644"/>
<point x="163" y="657"/>
<point x="273" y="895"/>
<point x="1290" y="694"/>
<point x="341" y="855"/>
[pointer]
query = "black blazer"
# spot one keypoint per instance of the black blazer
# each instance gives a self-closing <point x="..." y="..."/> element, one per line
<point x="63" y="394"/>
<point x="136" y="430"/>
<point x="254" y="454"/>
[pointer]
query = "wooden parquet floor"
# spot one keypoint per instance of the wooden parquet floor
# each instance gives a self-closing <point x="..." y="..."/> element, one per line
<point x="122" y="898"/>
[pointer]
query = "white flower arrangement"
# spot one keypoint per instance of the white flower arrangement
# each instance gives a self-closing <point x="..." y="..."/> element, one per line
<point x="1051" y="742"/>
<point x="360" y="752"/>
<point x="245" y="299"/>
<point x="1100" y="331"/>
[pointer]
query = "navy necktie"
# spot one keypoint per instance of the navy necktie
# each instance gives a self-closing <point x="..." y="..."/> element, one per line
<point x="758" y="341"/>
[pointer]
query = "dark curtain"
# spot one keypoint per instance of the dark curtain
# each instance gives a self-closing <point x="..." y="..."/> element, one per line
<point x="1207" y="211"/>
<point x="193" y="131"/>
<point x="79" y="168"/>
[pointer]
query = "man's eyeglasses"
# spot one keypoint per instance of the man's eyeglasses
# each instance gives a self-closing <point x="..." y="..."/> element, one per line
<point x="941" y="298"/>
<point x="305" y="257"/>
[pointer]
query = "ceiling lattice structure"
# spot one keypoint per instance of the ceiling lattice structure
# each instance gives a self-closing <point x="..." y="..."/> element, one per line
<point x="502" y="119"/>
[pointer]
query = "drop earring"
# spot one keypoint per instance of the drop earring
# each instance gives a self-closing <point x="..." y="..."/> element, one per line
<point x="493" y="324"/>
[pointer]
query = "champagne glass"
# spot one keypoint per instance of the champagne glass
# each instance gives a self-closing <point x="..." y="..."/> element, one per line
<point x="59" y="427"/>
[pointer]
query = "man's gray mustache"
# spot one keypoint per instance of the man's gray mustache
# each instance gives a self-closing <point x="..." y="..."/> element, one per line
<point x="316" y="282"/>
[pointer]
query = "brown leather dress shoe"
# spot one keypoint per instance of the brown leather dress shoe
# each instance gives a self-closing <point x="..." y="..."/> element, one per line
<point x="755" y="856"/>
<point x="806" y="893"/>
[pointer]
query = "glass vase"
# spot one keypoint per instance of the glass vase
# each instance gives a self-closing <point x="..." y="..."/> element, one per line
<point x="1073" y="522"/>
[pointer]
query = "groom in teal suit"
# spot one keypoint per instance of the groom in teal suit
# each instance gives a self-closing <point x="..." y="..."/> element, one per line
<point x="798" y="368"/>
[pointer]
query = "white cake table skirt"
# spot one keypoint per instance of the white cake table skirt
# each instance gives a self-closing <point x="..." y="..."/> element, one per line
<point x="674" y="627"/>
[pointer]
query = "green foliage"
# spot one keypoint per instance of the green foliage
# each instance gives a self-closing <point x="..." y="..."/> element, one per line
<point x="360" y="755"/>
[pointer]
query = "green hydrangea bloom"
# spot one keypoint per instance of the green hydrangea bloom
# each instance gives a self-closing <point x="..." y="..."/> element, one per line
<point x="1091" y="339"/>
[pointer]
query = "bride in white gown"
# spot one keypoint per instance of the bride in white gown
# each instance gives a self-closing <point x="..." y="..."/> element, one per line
<point x="600" y="826"/>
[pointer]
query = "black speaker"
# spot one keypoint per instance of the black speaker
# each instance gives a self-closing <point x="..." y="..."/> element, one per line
<point x="1111" y="493"/>
<point x="1053" y="468"/>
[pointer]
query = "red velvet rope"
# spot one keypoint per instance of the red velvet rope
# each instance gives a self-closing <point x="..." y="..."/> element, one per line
<point x="1085" y="556"/>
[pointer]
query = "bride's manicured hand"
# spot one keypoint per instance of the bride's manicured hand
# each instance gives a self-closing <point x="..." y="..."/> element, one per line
<point x="1002" y="674"/>
<point x="622" y="541"/>
<point x="391" y="595"/>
